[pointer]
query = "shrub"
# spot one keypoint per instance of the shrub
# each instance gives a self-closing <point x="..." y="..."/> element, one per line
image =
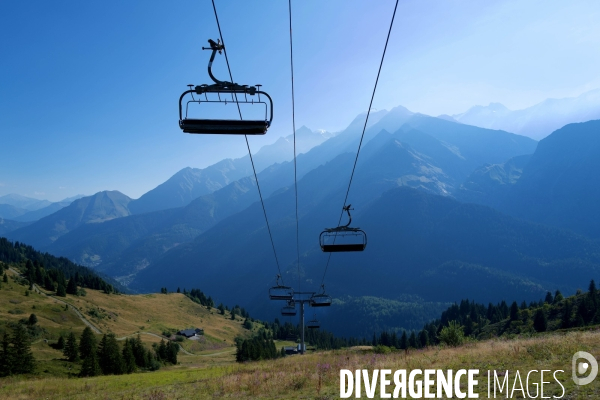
<point x="381" y="349"/>
<point x="452" y="335"/>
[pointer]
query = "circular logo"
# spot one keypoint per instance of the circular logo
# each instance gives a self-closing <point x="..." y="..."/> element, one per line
<point x="581" y="367"/>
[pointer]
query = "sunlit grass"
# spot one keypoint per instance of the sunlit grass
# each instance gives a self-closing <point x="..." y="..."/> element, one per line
<point x="316" y="375"/>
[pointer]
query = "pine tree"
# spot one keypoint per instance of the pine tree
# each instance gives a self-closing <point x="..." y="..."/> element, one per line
<point x="61" y="291"/>
<point x="162" y="351"/>
<point x="540" y="323"/>
<point x="566" y="317"/>
<point x="71" y="351"/>
<point x="139" y="352"/>
<point x="60" y="344"/>
<point x="172" y="350"/>
<point x="558" y="296"/>
<point x="404" y="341"/>
<point x="548" y="298"/>
<point x="72" y="287"/>
<point x="128" y="358"/>
<point x="5" y="356"/>
<point x="24" y="363"/>
<point x="424" y="338"/>
<point x="87" y="343"/>
<point x="412" y="340"/>
<point x="514" y="311"/>
<point x="5" y="278"/>
<point x="90" y="366"/>
<point x="32" y="320"/>
<point x="109" y="356"/>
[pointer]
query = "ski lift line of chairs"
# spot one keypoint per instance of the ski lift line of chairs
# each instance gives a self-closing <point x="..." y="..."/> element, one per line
<point x="343" y="238"/>
<point x="240" y="92"/>
<point x="281" y="292"/>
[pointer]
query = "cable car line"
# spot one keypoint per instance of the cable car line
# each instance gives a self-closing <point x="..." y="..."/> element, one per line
<point x="364" y="128"/>
<point x="248" y="145"/>
<point x="294" y="131"/>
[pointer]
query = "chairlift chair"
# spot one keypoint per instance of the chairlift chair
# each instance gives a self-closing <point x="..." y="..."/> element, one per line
<point x="343" y="238"/>
<point x="237" y="94"/>
<point x="313" y="323"/>
<point x="281" y="292"/>
<point x="320" y="300"/>
<point x="289" y="310"/>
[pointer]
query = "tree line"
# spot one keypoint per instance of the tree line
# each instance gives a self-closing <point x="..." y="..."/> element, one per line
<point x="478" y="321"/>
<point x="108" y="358"/>
<point x="52" y="273"/>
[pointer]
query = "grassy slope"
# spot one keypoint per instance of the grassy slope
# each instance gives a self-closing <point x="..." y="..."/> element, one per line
<point x="317" y="375"/>
<point x="123" y="315"/>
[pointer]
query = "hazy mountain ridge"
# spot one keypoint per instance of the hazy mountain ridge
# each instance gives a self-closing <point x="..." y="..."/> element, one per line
<point x="7" y="225"/>
<point x="539" y="120"/>
<point x="411" y="233"/>
<point x="100" y="207"/>
<point x="191" y="183"/>
<point x="27" y="209"/>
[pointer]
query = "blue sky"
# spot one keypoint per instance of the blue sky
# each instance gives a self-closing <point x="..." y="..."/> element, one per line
<point x="89" y="90"/>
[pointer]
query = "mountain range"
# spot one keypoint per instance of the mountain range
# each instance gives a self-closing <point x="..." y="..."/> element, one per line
<point x="416" y="180"/>
<point x="537" y="121"/>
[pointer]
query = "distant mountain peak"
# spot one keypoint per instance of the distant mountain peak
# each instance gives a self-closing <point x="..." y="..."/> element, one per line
<point x="537" y="121"/>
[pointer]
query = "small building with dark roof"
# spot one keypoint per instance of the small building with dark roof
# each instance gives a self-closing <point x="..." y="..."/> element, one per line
<point x="188" y="333"/>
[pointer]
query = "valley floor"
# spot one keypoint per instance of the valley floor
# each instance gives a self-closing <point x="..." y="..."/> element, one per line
<point x="317" y="375"/>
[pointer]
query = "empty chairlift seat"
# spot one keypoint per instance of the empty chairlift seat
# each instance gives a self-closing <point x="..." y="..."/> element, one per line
<point x="313" y="324"/>
<point x="224" y="92"/>
<point x="281" y="292"/>
<point x="224" y="127"/>
<point x="289" y="310"/>
<point x="343" y="238"/>
<point x="320" y="300"/>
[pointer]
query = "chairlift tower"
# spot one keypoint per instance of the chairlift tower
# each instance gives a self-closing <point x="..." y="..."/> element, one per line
<point x="313" y="299"/>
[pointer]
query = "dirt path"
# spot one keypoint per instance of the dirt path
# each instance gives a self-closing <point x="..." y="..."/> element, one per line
<point x="81" y="317"/>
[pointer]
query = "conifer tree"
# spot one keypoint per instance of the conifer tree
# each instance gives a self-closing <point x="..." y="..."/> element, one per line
<point x="60" y="344"/>
<point x="412" y="340"/>
<point x="172" y="350"/>
<point x="61" y="291"/>
<point x="549" y="299"/>
<point x="139" y="352"/>
<point x="540" y="323"/>
<point x="566" y="317"/>
<point x="5" y="356"/>
<point x="423" y="338"/>
<point x="558" y="296"/>
<point x="71" y="351"/>
<point x="128" y="358"/>
<point x="404" y="341"/>
<point x="161" y="352"/>
<point x="72" y="287"/>
<point x="5" y="278"/>
<point x="21" y="356"/>
<point x="90" y="365"/>
<point x="87" y="343"/>
<point x="109" y="356"/>
<point x="514" y="311"/>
